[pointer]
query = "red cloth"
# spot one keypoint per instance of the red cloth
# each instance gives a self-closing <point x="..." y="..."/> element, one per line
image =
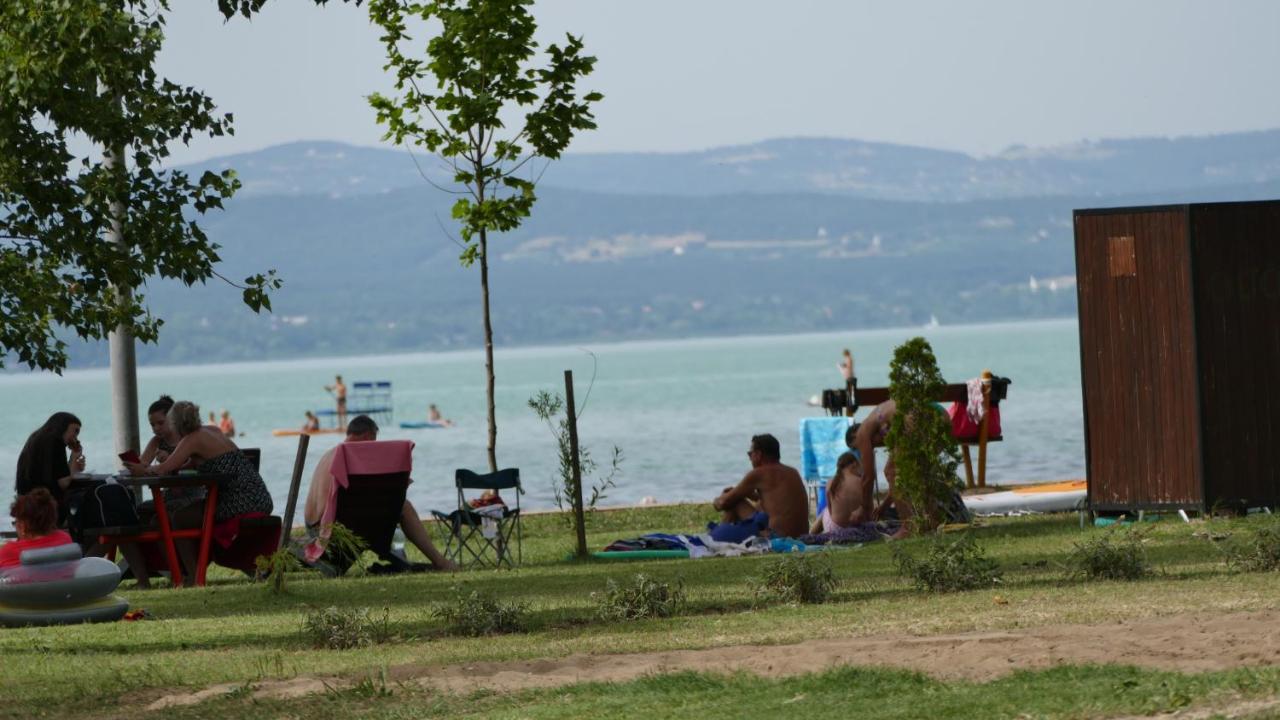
<point x="358" y="458"/>
<point x="11" y="552"/>
<point x="225" y="532"/>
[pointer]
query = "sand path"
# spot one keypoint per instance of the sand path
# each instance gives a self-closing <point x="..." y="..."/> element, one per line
<point x="1195" y="642"/>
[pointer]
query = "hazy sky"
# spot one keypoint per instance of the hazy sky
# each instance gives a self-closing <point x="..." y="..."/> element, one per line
<point x="692" y="74"/>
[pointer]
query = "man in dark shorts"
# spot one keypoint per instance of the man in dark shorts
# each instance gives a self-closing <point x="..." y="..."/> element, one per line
<point x="771" y="487"/>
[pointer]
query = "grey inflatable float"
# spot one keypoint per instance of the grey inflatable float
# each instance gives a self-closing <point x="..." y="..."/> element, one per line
<point x="55" y="586"/>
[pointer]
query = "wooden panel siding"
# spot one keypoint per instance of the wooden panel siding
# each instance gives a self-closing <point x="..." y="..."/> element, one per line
<point x="1137" y="358"/>
<point x="1236" y="261"/>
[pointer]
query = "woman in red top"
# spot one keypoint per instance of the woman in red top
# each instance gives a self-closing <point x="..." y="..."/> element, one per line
<point x="35" y="516"/>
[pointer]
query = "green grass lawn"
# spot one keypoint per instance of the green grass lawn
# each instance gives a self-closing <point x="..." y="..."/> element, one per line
<point x="238" y="632"/>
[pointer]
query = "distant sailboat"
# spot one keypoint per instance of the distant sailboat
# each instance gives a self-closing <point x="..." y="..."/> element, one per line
<point x="933" y="323"/>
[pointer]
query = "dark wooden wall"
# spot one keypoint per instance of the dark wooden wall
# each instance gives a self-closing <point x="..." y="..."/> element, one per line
<point x="1236" y="269"/>
<point x="1138" y="366"/>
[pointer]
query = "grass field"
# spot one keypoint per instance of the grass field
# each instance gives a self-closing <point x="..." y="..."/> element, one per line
<point x="239" y="634"/>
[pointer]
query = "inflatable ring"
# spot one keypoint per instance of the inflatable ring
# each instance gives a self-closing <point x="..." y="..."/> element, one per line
<point x="55" y="586"/>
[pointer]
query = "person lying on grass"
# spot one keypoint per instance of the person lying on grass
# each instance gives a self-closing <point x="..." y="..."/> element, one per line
<point x="769" y="487"/>
<point x="362" y="428"/>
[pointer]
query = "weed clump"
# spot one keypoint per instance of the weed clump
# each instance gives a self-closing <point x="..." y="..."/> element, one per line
<point x="797" y="579"/>
<point x="272" y="568"/>
<point x="477" y="614"/>
<point x="949" y="565"/>
<point x="346" y="628"/>
<point x="1260" y="553"/>
<point x="1110" y="556"/>
<point x="642" y="598"/>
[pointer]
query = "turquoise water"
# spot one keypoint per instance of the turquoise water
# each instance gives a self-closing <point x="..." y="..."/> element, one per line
<point x="681" y="411"/>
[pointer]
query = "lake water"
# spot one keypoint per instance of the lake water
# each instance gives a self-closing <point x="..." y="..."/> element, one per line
<point x="682" y="411"/>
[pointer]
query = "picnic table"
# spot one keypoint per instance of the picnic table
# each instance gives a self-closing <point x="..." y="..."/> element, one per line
<point x="163" y="532"/>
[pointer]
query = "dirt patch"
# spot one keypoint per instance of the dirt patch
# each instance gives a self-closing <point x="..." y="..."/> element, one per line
<point x="1187" y="643"/>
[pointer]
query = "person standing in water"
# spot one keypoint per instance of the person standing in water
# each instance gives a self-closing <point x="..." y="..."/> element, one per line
<point x="846" y="366"/>
<point x="339" y="391"/>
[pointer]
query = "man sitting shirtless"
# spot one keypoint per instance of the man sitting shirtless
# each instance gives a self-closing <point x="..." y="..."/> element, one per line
<point x="771" y="487"/>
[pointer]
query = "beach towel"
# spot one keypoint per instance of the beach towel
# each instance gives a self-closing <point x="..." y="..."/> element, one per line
<point x="821" y="444"/>
<point x="358" y="458"/>
<point x="853" y="535"/>
<point x="698" y="546"/>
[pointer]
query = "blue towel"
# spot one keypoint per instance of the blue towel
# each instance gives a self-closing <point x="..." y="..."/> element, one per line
<point x="821" y="444"/>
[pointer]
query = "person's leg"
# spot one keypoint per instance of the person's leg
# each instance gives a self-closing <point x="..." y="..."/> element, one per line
<point x="417" y="534"/>
<point x="137" y="563"/>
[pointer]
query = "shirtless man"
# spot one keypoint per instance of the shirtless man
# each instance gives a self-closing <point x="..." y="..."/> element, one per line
<point x="863" y="439"/>
<point x="364" y="429"/>
<point x="339" y="391"/>
<point x="776" y="488"/>
<point x="849" y="497"/>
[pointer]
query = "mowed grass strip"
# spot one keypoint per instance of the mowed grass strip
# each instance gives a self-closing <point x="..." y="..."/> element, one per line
<point x="239" y="632"/>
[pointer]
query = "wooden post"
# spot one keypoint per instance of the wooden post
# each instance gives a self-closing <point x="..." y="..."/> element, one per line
<point x="983" y="430"/>
<point x="291" y="505"/>
<point x="578" y="518"/>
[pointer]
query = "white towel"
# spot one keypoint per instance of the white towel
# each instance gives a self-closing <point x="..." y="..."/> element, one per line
<point x="975" y="399"/>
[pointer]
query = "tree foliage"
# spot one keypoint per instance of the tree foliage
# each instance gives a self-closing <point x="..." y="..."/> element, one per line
<point x="924" y="451"/>
<point x="77" y="77"/>
<point x="453" y="99"/>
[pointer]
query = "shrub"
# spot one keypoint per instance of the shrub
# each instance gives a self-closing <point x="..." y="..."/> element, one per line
<point x="642" y="598"/>
<point x="797" y="578"/>
<point x="1261" y="553"/>
<point x="478" y="614"/>
<point x="345" y="628"/>
<point x="1110" y="556"/>
<point x="949" y="565"/>
<point x="273" y="568"/>
<point x="924" y="451"/>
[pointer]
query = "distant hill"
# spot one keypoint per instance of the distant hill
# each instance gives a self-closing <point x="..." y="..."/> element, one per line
<point x="807" y="165"/>
<point x="372" y="268"/>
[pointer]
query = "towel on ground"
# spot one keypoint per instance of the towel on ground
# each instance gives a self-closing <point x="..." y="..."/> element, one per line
<point x="698" y="545"/>
<point x="852" y="535"/>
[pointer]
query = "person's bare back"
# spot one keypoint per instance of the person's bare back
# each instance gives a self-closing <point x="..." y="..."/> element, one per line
<point x="849" y="496"/>
<point x="776" y="489"/>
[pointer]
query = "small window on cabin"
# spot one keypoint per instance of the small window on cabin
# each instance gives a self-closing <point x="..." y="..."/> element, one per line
<point x="1121" y="256"/>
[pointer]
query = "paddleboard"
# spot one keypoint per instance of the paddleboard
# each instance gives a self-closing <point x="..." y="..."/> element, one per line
<point x="420" y="424"/>
<point x="286" y="432"/>
<point x="1050" y="497"/>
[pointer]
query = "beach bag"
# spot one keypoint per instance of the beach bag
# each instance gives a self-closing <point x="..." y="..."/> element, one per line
<point x="103" y="505"/>
<point x="964" y="428"/>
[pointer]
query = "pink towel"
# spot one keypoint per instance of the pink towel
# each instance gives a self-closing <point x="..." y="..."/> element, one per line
<point x="358" y="458"/>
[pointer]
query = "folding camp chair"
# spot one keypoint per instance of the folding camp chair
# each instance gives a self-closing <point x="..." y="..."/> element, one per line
<point x="370" y="500"/>
<point x="476" y="537"/>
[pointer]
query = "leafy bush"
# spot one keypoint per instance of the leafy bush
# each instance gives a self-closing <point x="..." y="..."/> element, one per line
<point x="924" y="451"/>
<point x="345" y="628"/>
<point x="345" y="548"/>
<point x="478" y="614"/>
<point x="949" y="564"/>
<point x="1111" y="556"/>
<point x="1261" y="553"/>
<point x="642" y="598"/>
<point x="797" y="578"/>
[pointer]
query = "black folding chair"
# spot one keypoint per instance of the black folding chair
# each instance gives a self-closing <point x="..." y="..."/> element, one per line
<point x="370" y="508"/>
<point x="475" y="538"/>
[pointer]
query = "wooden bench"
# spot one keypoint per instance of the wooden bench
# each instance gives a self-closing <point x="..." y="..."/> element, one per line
<point x="994" y="390"/>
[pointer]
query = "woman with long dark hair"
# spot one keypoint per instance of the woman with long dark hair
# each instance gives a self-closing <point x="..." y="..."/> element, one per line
<point x="50" y="459"/>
